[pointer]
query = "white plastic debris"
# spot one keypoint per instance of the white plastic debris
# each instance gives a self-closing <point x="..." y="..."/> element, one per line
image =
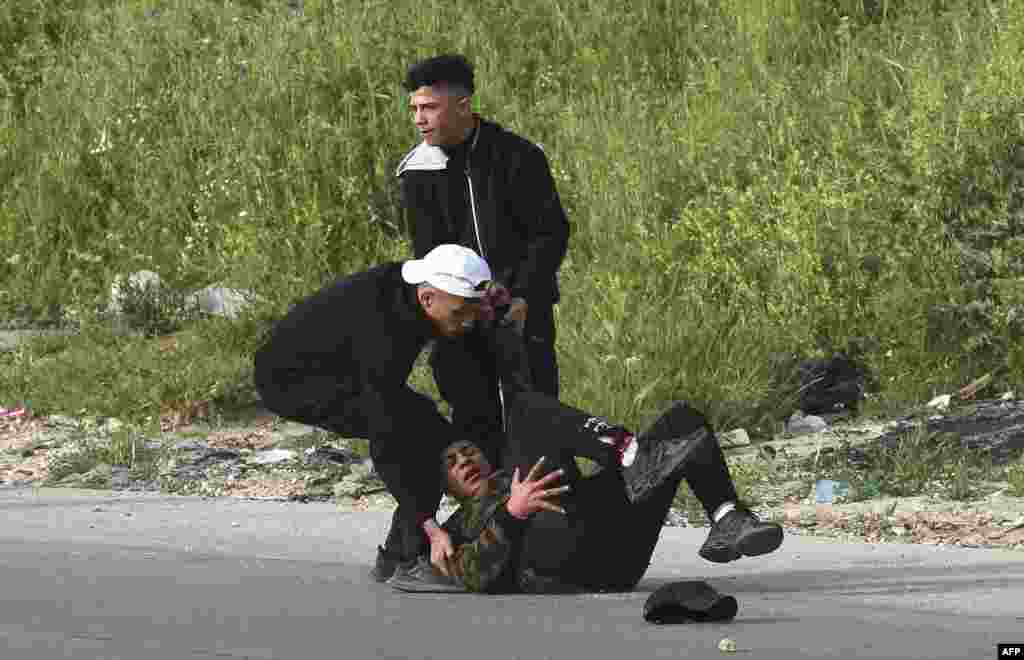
<point x="137" y="281"/>
<point x="735" y="438"/>
<point x="940" y="402"/>
<point x="801" y="424"/>
<point x="221" y="301"/>
<point x="727" y="645"/>
<point x="271" y="456"/>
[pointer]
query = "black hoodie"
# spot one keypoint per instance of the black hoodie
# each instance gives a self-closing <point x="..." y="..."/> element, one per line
<point x="358" y="338"/>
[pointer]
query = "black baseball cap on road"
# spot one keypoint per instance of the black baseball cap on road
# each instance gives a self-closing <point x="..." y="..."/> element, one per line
<point x="689" y="602"/>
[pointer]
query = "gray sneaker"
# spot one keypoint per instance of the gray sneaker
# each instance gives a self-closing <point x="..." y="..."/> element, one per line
<point x="422" y="577"/>
<point x="385" y="565"/>
<point x="663" y="449"/>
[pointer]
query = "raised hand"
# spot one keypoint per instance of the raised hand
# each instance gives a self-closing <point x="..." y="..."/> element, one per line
<point x="530" y="495"/>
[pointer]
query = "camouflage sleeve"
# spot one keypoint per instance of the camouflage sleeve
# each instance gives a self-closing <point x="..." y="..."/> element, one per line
<point x="479" y="561"/>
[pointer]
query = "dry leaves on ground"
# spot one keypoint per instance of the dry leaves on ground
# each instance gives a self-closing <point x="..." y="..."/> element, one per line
<point x="16" y="435"/>
<point x="254" y="439"/>
<point x="265" y="488"/>
<point x="926" y="527"/>
<point x="963" y="528"/>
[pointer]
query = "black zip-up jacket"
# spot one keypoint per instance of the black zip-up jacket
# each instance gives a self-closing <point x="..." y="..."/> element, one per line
<point x="515" y="220"/>
<point x="357" y="338"/>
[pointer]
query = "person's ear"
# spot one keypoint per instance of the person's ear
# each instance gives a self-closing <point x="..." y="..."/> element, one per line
<point x="465" y="106"/>
<point x="426" y="297"/>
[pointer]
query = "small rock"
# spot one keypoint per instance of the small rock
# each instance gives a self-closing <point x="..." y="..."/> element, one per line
<point x="272" y="456"/>
<point x="127" y="514"/>
<point x="61" y="420"/>
<point x="940" y="402"/>
<point x="98" y="509"/>
<point x="220" y="301"/>
<point x="220" y="454"/>
<point x="801" y="424"/>
<point x="734" y="438"/>
<point x="190" y="445"/>
<point x="328" y="456"/>
<point x="727" y="645"/>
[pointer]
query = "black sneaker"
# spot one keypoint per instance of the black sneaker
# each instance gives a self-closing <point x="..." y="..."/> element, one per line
<point x="385" y="565"/>
<point x="740" y="533"/>
<point x="663" y="448"/>
<point x="421" y="577"/>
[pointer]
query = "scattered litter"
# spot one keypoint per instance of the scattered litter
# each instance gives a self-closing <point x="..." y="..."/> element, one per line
<point x="972" y="388"/>
<point x="827" y="490"/>
<point x="13" y="413"/>
<point x="734" y="438"/>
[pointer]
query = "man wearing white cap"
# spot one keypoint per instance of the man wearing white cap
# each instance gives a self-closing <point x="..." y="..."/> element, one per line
<point x="341" y="358"/>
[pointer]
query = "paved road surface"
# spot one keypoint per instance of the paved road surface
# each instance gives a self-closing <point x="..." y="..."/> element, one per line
<point x="90" y="575"/>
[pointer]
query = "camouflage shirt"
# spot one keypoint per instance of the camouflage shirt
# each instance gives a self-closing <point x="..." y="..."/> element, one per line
<point x="486" y="540"/>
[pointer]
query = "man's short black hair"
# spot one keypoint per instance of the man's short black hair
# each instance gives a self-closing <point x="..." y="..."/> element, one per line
<point x="451" y="69"/>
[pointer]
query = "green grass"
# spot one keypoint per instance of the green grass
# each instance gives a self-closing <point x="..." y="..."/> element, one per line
<point x="1015" y="477"/>
<point x="748" y="183"/>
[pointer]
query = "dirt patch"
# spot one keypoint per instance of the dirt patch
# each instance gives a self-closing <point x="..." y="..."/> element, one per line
<point x="993" y="524"/>
<point x="16" y="437"/>
<point x="253" y="439"/>
<point x="266" y="488"/>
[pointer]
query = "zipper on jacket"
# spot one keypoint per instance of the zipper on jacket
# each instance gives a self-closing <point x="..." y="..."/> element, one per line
<point x="472" y="196"/>
<point x="472" y="210"/>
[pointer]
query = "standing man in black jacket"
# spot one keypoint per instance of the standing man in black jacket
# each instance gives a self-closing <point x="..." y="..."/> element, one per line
<point x="340" y="360"/>
<point x="474" y="183"/>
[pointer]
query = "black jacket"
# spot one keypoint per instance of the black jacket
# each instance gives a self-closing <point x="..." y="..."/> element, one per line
<point x="358" y="338"/>
<point x="515" y="216"/>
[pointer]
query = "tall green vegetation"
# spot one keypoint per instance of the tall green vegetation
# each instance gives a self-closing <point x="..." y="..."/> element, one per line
<point x="749" y="182"/>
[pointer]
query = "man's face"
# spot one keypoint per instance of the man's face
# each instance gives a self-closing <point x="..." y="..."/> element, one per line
<point x="453" y="316"/>
<point x="467" y="468"/>
<point x="439" y="117"/>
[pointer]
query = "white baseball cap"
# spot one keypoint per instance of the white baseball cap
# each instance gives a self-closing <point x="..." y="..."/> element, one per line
<point x="452" y="268"/>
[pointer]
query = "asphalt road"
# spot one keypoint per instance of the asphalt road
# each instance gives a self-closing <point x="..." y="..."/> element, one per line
<point x="89" y="575"/>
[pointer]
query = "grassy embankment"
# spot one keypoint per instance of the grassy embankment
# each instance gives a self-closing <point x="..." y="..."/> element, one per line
<point x="749" y="184"/>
